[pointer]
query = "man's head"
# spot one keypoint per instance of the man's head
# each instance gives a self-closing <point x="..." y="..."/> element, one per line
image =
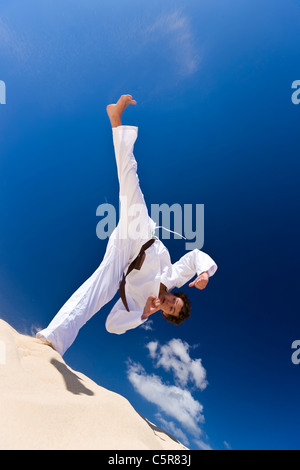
<point x="176" y="307"/>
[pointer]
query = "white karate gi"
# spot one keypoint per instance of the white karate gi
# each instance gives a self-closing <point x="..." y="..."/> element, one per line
<point x="122" y="248"/>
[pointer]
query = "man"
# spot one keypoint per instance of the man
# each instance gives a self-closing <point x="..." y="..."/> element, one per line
<point x="150" y="275"/>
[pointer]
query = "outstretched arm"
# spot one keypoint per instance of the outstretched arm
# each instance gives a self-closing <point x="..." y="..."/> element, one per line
<point x="193" y="263"/>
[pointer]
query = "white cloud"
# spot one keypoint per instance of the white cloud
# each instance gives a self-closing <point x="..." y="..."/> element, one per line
<point x="152" y="347"/>
<point x="147" y="325"/>
<point x="13" y="44"/>
<point x="174" y="356"/>
<point x="202" y="445"/>
<point x="171" y="399"/>
<point x="227" y="445"/>
<point x="174" y="31"/>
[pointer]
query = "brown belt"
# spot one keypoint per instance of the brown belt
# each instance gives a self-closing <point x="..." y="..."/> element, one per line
<point x="136" y="264"/>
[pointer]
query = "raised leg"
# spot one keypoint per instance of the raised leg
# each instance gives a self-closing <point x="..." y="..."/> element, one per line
<point x="135" y="224"/>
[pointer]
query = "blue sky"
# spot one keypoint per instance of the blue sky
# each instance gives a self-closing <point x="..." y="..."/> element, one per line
<point x="217" y="127"/>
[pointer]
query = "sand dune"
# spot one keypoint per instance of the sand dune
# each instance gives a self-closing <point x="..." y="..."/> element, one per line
<point x="44" y="404"/>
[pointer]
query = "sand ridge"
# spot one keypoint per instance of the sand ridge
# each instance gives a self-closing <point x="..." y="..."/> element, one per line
<point x="44" y="404"/>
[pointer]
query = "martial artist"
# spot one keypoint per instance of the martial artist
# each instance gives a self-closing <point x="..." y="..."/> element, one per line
<point x="136" y="262"/>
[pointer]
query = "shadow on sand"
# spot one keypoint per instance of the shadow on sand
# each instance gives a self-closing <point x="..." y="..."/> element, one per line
<point x="73" y="382"/>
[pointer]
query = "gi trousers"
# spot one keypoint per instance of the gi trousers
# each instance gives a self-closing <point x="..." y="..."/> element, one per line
<point x="123" y="246"/>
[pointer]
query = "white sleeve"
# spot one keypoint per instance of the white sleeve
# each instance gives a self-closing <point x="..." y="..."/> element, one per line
<point x="119" y="320"/>
<point x="194" y="262"/>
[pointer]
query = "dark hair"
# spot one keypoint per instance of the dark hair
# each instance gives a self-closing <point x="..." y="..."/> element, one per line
<point x="184" y="312"/>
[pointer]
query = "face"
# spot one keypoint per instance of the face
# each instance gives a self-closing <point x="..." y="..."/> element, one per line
<point x="170" y="304"/>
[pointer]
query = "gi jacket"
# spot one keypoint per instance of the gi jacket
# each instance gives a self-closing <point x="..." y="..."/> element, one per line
<point x="157" y="268"/>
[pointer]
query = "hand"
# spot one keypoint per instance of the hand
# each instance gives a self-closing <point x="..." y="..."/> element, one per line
<point x="201" y="281"/>
<point x="152" y="306"/>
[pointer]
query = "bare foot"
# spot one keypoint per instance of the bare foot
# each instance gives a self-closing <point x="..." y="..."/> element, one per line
<point x="115" y="111"/>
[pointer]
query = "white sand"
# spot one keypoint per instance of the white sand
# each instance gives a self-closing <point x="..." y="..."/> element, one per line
<point x="44" y="404"/>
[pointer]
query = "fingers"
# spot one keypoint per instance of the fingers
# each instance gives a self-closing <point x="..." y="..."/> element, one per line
<point x="152" y="297"/>
<point x="154" y="301"/>
<point x="200" y="282"/>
